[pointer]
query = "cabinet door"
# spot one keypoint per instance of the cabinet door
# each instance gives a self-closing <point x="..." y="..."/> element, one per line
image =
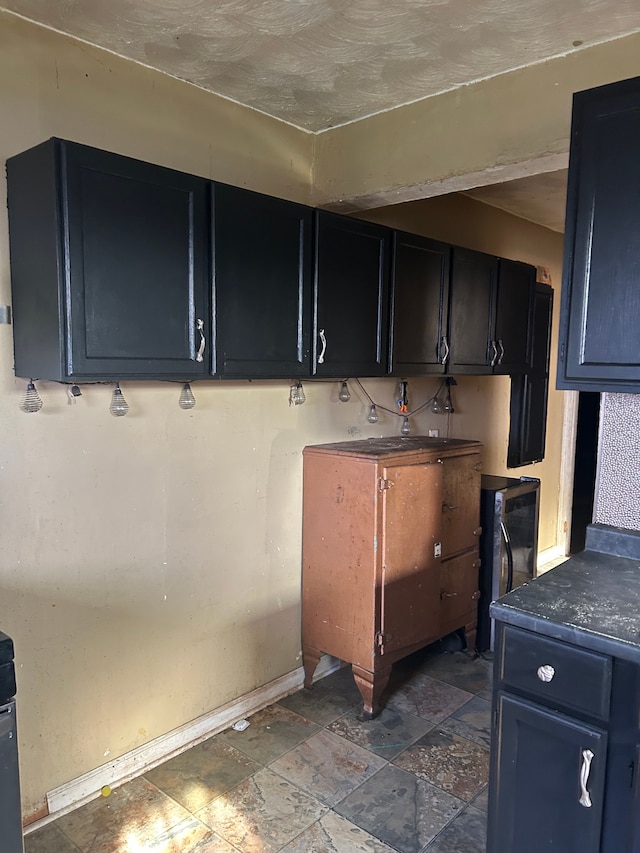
<point x="460" y="528"/>
<point x="262" y="284"/>
<point x="410" y="578"/>
<point x="513" y="333"/>
<point x="540" y="775"/>
<point x="472" y="312"/>
<point x="419" y="305"/>
<point x="137" y="268"/>
<point x="600" y="333"/>
<point x="530" y="392"/>
<point x="351" y="295"/>
<point x="459" y="581"/>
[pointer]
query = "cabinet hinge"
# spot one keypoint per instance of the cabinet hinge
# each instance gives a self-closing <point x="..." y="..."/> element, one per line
<point x="384" y="484"/>
<point x="380" y="638"/>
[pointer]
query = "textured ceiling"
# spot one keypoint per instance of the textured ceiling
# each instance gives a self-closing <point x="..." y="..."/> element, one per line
<point x="538" y="198"/>
<point x="321" y="63"/>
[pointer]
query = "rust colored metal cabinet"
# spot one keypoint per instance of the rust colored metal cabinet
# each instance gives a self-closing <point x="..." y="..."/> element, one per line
<point x="390" y="551"/>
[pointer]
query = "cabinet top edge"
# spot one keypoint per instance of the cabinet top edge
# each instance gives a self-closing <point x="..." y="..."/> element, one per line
<point x="391" y="446"/>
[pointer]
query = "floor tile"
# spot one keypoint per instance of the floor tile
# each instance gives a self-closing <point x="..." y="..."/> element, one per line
<point x="135" y="815"/>
<point x="427" y="697"/>
<point x="262" y="814"/>
<point x="400" y="809"/>
<point x="459" y="669"/>
<point x="48" y="839"/>
<point x="453" y="763"/>
<point x="472" y="721"/>
<point x="272" y="732"/>
<point x="481" y="801"/>
<point x="323" y="703"/>
<point x="466" y="834"/>
<point x="335" y="834"/>
<point x="327" y="766"/>
<point x="386" y="735"/>
<point x="202" y="773"/>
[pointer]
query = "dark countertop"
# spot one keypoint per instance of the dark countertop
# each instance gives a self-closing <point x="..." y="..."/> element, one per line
<point x="592" y="600"/>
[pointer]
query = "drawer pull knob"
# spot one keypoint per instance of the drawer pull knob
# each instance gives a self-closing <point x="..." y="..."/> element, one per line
<point x="546" y="673"/>
<point x="587" y="758"/>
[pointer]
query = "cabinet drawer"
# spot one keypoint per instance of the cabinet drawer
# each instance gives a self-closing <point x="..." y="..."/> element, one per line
<point x="556" y="672"/>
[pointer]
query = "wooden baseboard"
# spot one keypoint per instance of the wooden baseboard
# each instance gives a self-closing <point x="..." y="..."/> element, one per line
<point x="114" y="773"/>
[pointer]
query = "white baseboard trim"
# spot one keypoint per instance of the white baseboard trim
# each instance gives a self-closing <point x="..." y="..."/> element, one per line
<point x="550" y="555"/>
<point x="87" y="787"/>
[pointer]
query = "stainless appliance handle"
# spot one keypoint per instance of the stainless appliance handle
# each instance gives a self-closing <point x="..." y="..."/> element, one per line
<point x="507" y="546"/>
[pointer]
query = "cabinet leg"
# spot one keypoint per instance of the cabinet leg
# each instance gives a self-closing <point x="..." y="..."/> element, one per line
<point x="310" y="660"/>
<point x="470" y="632"/>
<point x="371" y="686"/>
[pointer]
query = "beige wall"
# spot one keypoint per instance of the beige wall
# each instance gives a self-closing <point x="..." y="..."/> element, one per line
<point x="482" y="403"/>
<point x="150" y="566"/>
<point x="495" y="130"/>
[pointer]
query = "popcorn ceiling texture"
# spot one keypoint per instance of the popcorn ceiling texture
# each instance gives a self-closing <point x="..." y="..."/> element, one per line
<point x="320" y="63"/>
<point x="618" y="489"/>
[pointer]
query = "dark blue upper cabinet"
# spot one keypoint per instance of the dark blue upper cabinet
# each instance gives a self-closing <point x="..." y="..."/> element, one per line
<point x="600" y="333"/>
<point x="351" y="294"/>
<point x="472" y="306"/>
<point x="109" y="266"/>
<point x="262" y="284"/>
<point x="419" y="305"/>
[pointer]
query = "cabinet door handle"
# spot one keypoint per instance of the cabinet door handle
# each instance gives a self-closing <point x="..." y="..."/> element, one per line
<point x="446" y="506"/>
<point x="494" y="354"/>
<point x="587" y="758"/>
<point x="444" y="595"/>
<point x="323" y="340"/>
<point x="501" y="356"/>
<point x="445" y="355"/>
<point x="203" y="343"/>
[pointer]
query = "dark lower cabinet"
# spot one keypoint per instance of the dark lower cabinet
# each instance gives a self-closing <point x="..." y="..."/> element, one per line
<point x="109" y="266"/>
<point x="351" y="292"/>
<point x="543" y="755"/>
<point x="262" y="284"/>
<point x="565" y="748"/>
<point x="419" y="305"/>
<point x="599" y="344"/>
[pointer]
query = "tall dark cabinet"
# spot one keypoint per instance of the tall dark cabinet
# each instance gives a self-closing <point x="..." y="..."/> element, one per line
<point x="351" y="285"/>
<point x="530" y="390"/>
<point x="600" y="334"/>
<point x="262" y="272"/>
<point x="109" y="265"/>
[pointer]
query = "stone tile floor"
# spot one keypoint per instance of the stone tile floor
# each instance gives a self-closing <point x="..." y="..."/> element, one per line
<point x="309" y="776"/>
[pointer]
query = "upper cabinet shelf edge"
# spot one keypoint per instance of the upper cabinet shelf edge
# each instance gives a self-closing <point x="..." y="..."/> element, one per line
<point x="88" y="231"/>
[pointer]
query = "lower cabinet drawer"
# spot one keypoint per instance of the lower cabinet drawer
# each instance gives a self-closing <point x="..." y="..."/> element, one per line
<point x="559" y="673"/>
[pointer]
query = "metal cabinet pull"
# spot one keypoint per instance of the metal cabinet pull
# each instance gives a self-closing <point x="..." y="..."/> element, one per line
<point x="546" y="673"/>
<point x="323" y="340"/>
<point x="587" y="758"/>
<point x="445" y="355"/>
<point x="501" y="356"/>
<point x="203" y="343"/>
<point x="494" y="356"/>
